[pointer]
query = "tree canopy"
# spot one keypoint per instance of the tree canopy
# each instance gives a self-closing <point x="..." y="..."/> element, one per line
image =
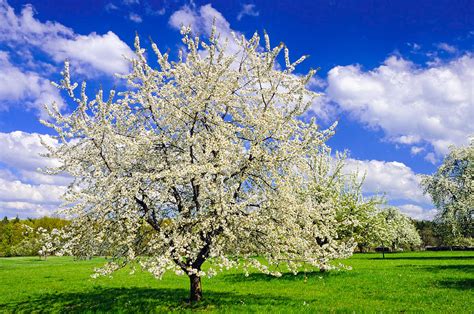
<point x="203" y="158"/>
<point x="452" y="190"/>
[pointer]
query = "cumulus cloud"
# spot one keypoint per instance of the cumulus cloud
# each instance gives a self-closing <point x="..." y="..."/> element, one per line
<point x="415" y="150"/>
<point x="135" y="18"/>
<point x="247" y="9"/>
<point x="200" y="20"/>
<point x="25" y="28"/>
<point x="25" y="191"/>
<point x="431" y="157"/>
<point x="22" y="150"/>
<point x="186" y="16"/>
<point x="20" y="191"/>
<point x="25" y="87"/>
<point x="26" y="209"/>
<point x="447" y="47"/>
<point x="417" y="212"/>
<point x="413" y="106"/>
<point x="110" y="7"/>
<point x="398" y="182"/>
<point x="103" y="53"/>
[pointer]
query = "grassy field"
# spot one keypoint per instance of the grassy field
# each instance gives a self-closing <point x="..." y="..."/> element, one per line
<point x="403" y="282"/>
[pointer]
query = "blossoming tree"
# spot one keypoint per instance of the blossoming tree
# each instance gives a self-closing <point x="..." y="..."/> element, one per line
<point x="387" y="228"/>
<point x="399" y="230"/>
<point x="203" y="158"/>
<point x="452" y="190"/>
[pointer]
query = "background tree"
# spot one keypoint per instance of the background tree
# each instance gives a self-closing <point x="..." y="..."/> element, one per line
<point x="430" y="233"/>
<point x="21" y="237"/>
<point x="400" y="232"/>
<point x="355" y="213"/>
<point x="452" y="190"/>
<point x="209" y="152"/>
<point x="370" y="227"/>
<point x="387" y="228"/>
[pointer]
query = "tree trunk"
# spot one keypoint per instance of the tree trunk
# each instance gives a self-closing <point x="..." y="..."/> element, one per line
<point x="195" y="288"/>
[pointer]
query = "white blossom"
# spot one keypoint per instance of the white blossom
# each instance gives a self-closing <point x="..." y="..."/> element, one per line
<point x="452" y="190"/>
<point x="204" y="158"/>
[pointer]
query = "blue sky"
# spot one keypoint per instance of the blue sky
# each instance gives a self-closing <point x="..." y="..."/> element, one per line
<point x="398" y="76"/>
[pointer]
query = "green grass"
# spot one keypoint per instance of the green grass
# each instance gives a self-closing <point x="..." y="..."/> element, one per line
<point x="440" y="282"/>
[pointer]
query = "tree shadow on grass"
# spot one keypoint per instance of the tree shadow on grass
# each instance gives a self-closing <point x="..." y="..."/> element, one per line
<point x="136" y="300"/>
<point x="435" y="268"/>
<point x="301" y="276"/>
<point x="459" y="284"/>
<point x="388" y="258"/>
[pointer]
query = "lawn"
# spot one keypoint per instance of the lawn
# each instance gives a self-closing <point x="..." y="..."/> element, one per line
<point x="402" y="282"/>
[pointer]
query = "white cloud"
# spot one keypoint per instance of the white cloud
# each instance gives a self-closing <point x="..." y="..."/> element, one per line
<point x="398" y="182"/>
<point x="29" y="193"/>
<point x="25" y="191"/>
<point x="414" y="46"/>
<point x="200" y="20"/>
<point x="434" y="105"/>
<point x="431" y="157"/>
<point x="415" y="150"/>
<point x="26" y="209"/>
<point x="102" y="53"/>
<point x="446" y="47"/>
<point x="417" y="212"/>
<point x="7" y="174"/>
<point x="37" y="177"/>
<point x="185" y="16"/>
<point x="150" y="11"/>
<point x="22" y="150"/>
<point x="135" y="18"/>
<point x="25" y="28"/>
<point x="24" y="88"/>
<point x="322" y="109"/>
<point x="110" y="7"/>
<point x="247" y="9"/>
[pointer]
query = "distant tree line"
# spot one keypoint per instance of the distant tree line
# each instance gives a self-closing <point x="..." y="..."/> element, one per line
<point x="21" y="237"/>
<point x="25" y="237"/>
<point x="431" y="233"/>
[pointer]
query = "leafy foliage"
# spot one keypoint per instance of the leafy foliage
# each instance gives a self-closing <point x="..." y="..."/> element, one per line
<point x="22" y="237"/>
<point x="430" y="233"/>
